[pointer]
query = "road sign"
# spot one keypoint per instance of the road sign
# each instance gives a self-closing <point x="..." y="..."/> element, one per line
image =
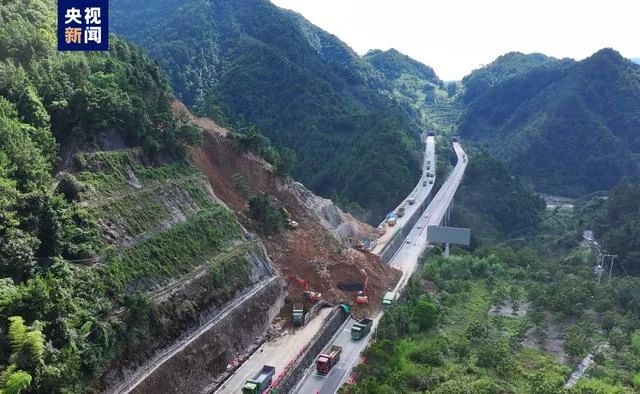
<point x="451" y="235"/>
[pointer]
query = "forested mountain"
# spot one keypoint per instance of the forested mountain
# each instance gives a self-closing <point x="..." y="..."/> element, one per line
<point x="417" y="88"/>
<point x="393" y="65"/>
<point x="569" y="128"/>
<point x="494" y="203"/>
<point x="53" y="104"/>
<point x="500" y="70"/>
<point x="260" y="65"/>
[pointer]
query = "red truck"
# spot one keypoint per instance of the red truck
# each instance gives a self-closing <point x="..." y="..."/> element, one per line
<point x="326" y="361"/>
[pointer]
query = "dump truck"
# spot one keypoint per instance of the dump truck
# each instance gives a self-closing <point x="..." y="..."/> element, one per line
<point x="260" y="382"/>
<point x="360" y="329"/>
<point x="297" y="316"/>
<point x="389" y="298"/>
<point x="326" y="361"/>
<point x="411" y="200"/>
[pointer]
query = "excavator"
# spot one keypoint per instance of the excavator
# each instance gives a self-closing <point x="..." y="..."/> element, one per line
<point x="362" y="297"/>
<point x="308" y="294"/>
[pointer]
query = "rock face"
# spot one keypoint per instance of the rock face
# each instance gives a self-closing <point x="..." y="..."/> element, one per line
<point x="345" y="229"/>
<point x="196" y="366"/>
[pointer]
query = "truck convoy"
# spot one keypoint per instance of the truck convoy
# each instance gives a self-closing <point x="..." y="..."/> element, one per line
<point x="260" y="382"/>
<point x="325" y="362"/>
<point x="360" y="329"/>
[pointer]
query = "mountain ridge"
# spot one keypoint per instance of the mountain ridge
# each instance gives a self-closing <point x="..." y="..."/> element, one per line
<point x="567" y="127"/>
<point x="256" y="64"/>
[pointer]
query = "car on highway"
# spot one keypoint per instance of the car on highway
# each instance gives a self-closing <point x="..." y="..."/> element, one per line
<point x="419" y="226"/>
<point x="408" y="241"/>
<point x="424" y="183"/>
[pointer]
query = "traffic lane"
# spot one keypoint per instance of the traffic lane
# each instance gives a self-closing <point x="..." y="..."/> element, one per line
<point x="429" y="155"/>
<point x="314" y="382"/>
<point x="277" y="352"/>
<point x="329" y="384"/>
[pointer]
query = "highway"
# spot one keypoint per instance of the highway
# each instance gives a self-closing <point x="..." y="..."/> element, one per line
<point x="281" y="351"/>
<point x="420" y="193"/>
<point x="406" y="260"/>
<point x="278" y="353"/>
<point x="329" y="384"/>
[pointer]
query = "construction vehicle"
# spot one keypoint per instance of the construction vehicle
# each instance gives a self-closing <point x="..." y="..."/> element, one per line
<point x="326" y="361"/>
<point x="291" y="223"/>
<point x="362" y="297"/>
<point x="411" y="200"/>
<point x="308" y="294"/>
<point x="297" y="315"/>
<point x="360" y="329"/>
<point x="260" y="381"/>
<point x="389" y="298"/>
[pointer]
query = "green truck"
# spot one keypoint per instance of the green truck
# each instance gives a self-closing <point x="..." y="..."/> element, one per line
<point x="389" y="298"/>
<point x="360" y="329"/>
<point x="260" y="382"/>
<point x="297" y="316"/>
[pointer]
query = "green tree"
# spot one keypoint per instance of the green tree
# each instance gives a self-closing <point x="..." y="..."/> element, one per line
<point x="452" y="89"/>
<point x="269" y="216"/>
<point x="425" y="313"/>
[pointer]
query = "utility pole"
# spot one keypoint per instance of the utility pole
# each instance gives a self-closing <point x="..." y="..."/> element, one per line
<point x="611" y="256"/>
<point x="599" y="268"/>
<point x="602" y="265"/>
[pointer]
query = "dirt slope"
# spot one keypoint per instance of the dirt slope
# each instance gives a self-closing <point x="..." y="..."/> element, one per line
<point x="321" y="249"/>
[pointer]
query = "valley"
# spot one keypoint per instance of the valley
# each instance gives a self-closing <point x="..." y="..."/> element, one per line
<point x="233" y="199"/>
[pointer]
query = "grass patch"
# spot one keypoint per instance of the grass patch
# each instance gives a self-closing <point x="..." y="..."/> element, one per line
<point x="172" y="252"/>
<point x="148" y="209"/>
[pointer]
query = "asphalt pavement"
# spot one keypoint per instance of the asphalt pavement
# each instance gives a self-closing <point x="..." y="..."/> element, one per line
<point x="328" y="384"/>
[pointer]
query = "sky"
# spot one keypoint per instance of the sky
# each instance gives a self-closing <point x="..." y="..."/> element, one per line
<point x="457" y="36"/>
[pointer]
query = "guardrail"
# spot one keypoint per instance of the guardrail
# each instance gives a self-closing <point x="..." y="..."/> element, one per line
<point x="296" y="368"/>
<point x="398" y="238"/>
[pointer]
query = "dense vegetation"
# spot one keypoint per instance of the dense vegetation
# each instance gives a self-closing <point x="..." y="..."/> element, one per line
<point x="505" y="67"/>
<point x="253" y="63"/>
<point x="616" y="223"/>
<point x="421" y="94"/>
<point x="69" y="303"/>
<point x="568" y="127"/>
<point x="493" y="319"/>
<point x="493" y="202"/>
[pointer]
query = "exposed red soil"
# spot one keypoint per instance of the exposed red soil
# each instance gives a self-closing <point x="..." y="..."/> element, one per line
<point x="310" y="250"/>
